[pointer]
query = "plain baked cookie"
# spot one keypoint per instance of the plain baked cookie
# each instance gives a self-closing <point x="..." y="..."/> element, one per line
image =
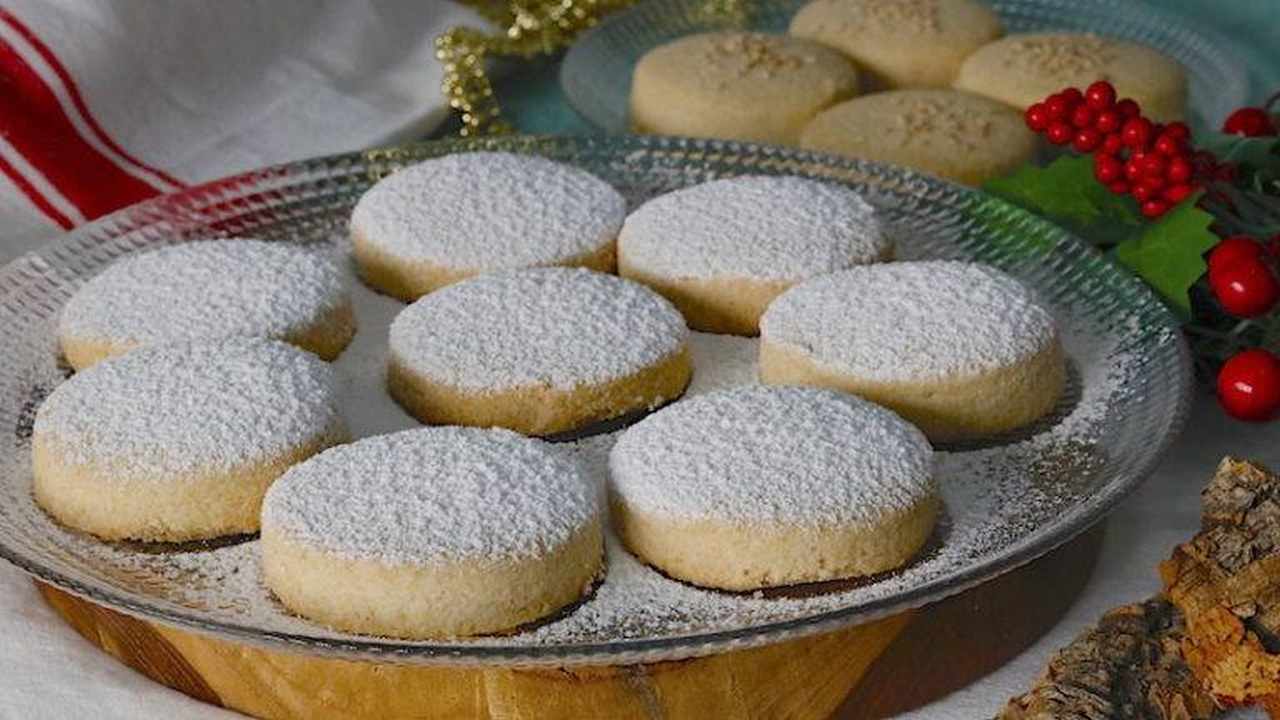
<point x="901" y="43"/>
<point x="210" y="289"/>
<point x="1021" y="70"/>
<point x="722" y="251"/>
<point x="454" y="217"/>
<point x="180" y="441"/>
<point x="959" y="349"/>
<point x="540" y="351"/>
<point x="433" y="532"/>
<point x="955" y="135"/>
<point x="737" y="86"/>
<point x="764" y="486"/>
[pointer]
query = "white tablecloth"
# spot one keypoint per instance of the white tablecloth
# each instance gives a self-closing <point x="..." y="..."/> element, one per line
<point x="279" y="80"/>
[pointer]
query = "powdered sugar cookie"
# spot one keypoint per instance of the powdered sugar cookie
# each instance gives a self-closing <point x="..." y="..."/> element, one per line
<point x="764" y="486"/>
<point x="956" y="135"/>
<point x="1024" y="69"/>
<point x="901" y="43"/>
<point x="180" y="441"/>
<point x="434" y="532"/>
<point x="723" y="250"/>
<point x="541" y="351"/>
<point x="205" y="290"/>
<point x="737" y="86"/>
<point x="453" y="217"/>
<point x="959" y="349"/>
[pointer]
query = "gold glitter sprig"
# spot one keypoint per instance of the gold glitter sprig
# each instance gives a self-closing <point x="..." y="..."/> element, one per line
<point x="533" y="27"/>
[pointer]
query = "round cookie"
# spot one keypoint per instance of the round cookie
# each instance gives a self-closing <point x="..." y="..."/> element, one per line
<point x="206" y="290"/>
<point x="962" y="137"/>
<point x="737" y="86"/>
<point x="454" y="217"/>
<point x="180" y="441"/>
<point x="723" y="250"/>
<point x="765" y="486"/>
<point x="540" y="351"/>
<point x="961" y="350"/>
<point x="901" y="43"/>
<point x="1021" y="70"/>
<point x="435" y="532"/>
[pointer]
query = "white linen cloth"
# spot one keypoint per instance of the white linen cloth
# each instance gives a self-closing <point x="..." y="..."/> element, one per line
<point x="194" y="90"/>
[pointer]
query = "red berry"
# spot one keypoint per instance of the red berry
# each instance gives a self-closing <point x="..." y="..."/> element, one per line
<point x="1245" y="288"/>
<point x="1060" y="133"/>
<point x="1107" y="122"/>
<point x="1249" y="385"/>
<point x="1112" y="144"/>
<point x="1137" y="132"/>
<point x="1143" y="193"/>
<point x="1250" y="122"/>
<point x="1119" y="187"/>
<point x="1073" y="96"/>
<point x="1037" y="117"/>
<point x="1153" y="165"/>
<point x="1175" y="194"/>
<point x="1083" y="116"/>
<point x="1231" y="250"/>
<point x="1226" y="172"/>
<point x="1178" y="130"/>
<point x="1133" y="168"/>
<point x="1100" y="95"/>
<point x="1057" y="106"/>
<point x="1154" y="208"/>
<point x="1179" y="170"/>
<point x="1087" y="140"/>
<point x="1156" y="183"/>
<point x="1128" y="109"/>
<point x="1170" y="145"/>
<point x="1107" y="169"/>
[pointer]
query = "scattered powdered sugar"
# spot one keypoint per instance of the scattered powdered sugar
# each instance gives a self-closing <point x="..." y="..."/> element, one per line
<point x="206" y="289"/>
<point x="769" y="228"/>
<point x="488" y="211"/>
<point x="911" y="320"/>
<point x="557" y="327"/>
<point x="170" y="410"/>
<point x="436" y="494"/>
<point x="993" y="499"/>
<point x="779" y="455"/>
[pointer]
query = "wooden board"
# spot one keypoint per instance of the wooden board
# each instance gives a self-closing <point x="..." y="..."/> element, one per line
<point x="870" y="671"/>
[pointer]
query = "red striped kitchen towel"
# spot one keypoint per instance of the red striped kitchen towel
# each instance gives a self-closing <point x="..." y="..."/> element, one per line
<point x="109" y="102"/>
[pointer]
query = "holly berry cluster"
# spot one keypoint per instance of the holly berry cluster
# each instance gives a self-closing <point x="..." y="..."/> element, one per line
<point x="1158" y="166"/>
<point x="1131" y="154"/>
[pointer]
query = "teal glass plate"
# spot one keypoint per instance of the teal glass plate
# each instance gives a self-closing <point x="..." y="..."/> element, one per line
<point x="1007" y="501"/>
<point x="596" y="73"/>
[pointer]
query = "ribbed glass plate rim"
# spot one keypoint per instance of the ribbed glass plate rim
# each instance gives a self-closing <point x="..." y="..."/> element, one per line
<point x="214" y="203"/>
<point x="590" y="73"/>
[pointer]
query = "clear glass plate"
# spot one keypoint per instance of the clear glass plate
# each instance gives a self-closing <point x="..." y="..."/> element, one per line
<point x="596" y="73"/>
<point x="1007" y="501"/>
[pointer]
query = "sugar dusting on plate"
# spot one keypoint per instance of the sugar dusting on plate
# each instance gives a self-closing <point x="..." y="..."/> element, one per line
<point x="994" y="497"/>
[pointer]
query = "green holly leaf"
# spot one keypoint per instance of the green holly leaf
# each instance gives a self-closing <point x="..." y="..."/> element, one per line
<point x="1169" y="253"/>
<point x="1066" y="192"/>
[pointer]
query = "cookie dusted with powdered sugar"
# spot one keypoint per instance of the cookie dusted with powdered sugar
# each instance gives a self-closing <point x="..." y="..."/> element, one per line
<point x="1024" y="69"/>
<point x="434" y="532"/>
<point x="766" y="486"/>
<point x="450" y="218"/>
<point x="540" y="351"/>
<point x="722" y="251"/>
<point x="737" y="86"/>
<point x="901" y="43"/>
<point x="956" y="135"/>
<point x="960" y="349"/>
<point x="180" y="441"/>
<point x="207" y="290"/>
